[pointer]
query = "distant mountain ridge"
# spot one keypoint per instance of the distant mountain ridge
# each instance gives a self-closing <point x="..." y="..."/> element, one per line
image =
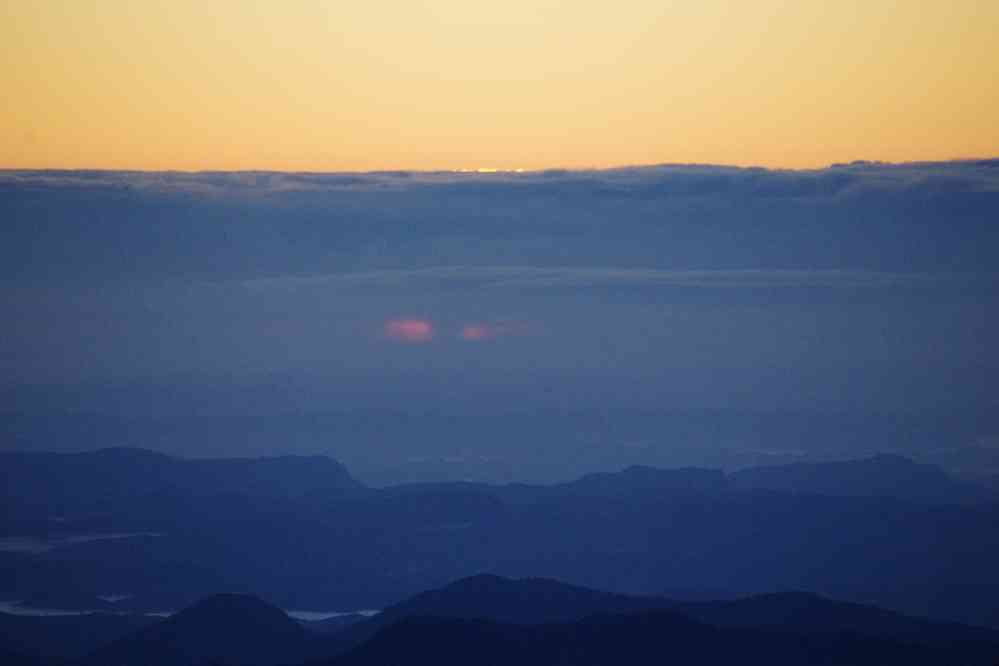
<point x="880" y="475"/>
<point x="117" y="474"/>
<point x="66" y="481"/>
<point x="169" y="531"/>
<point x="876" y="476"/>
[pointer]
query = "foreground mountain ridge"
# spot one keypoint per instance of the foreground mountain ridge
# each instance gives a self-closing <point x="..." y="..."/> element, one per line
<point x="491" y="619"/>
<point x="651" y="637"/>
<point x="543" y="600"/>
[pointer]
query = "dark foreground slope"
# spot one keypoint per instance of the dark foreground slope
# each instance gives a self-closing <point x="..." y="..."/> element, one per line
<point x="66" y="636"/>
<point x="656" y="637"/>
<point x="807" y="613"/>
<point x="488" y="619"/>
<point x="8" y="658"/>
<point x="793" y="617"/>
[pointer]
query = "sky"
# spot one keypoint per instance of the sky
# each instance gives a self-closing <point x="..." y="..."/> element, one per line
<point x="240" y="228"/>
<point x="458" y="84"/>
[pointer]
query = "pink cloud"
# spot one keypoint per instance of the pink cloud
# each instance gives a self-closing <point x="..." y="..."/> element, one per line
<point x="476" y="332"/>
<point x="409" y="330"/>
<point x="480" y="331"/>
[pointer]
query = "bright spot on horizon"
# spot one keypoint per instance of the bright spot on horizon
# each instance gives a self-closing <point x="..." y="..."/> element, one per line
<point x="409" y="330"/>
<point x="492" y="170"/>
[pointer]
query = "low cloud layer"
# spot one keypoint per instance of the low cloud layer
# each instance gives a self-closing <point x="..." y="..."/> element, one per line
<point x="95" y="227"/>
<point x="528" y="277"/>
<point x="862" y="284"/>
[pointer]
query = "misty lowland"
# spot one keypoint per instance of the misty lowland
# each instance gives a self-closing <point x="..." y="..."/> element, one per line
<point x="674" y="414"/>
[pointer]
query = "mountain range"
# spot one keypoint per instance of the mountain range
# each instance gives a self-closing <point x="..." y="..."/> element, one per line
<point x="159" y="533"/>
<point x="494" y="620"/>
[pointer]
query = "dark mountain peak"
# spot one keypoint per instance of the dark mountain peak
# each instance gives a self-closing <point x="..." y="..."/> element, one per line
<point x="235" y="606"/>
<point x="514" y="601"/>
<point x="791" y="597"/>
<point x="477" y="582"/>
<point x="490" y="592"/>
<point x="229" y="615"/>
<point x="231" y="628"/>
<point x="486" y="590"/>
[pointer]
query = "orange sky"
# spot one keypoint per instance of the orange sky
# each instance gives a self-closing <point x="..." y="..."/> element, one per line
<point x="450" y="84"/>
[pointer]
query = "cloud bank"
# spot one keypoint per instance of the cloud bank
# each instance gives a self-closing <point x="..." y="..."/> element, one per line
<point x="528" y="277"/>
<point x="96" y="227"/>
<point x="872" y="284"/>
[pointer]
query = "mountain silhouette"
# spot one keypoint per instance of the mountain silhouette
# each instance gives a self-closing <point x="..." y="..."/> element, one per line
<point x="652" y="637"/>
<point x="804" y="612"/>
<point x="641" y="479"/>
<point x="233" y="629"/>
<point x="536" y="601"/>
<point x="278" y="527"/>
<point x="113" y="478"/>
<point x="485" y="596"/>
<point x="489" y="619"/>
<point x="875" y="476"/>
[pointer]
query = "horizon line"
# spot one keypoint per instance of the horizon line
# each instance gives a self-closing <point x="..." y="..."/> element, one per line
<point x="499" y="171"/>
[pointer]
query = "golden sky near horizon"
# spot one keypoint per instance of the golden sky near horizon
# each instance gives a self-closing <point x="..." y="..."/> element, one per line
<point x="449" y="84"/>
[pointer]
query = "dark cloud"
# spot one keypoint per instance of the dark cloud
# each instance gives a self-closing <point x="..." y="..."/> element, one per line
<point x="96" y="227"/>
<point x="520" y="277"/>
